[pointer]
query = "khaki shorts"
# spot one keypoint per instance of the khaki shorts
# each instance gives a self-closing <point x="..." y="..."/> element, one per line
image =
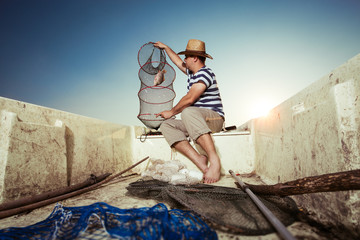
<point x="194" y="122"/>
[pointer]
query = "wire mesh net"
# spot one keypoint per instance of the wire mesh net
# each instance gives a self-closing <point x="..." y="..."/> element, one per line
<point x="148" y="53"/>
<point x="156" y="92"/>
<point x="224" y="208"/>
<point x="147" y="79"/>
<point x="154" y="100"/>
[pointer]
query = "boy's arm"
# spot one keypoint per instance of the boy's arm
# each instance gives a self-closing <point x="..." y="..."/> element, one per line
<point x="172" y="55"/>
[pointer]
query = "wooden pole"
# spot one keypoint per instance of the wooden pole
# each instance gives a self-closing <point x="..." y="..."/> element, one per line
<point x="10" y="212"/>
<point x="340" y="181"/>
<point x="43" y="196"/>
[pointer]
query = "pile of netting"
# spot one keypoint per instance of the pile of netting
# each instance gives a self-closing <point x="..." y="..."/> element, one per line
<point x="173" y="171"/>
<point x="102" y="221"/>
<point x="156" y="91"/>
<point x="224" y="208"/>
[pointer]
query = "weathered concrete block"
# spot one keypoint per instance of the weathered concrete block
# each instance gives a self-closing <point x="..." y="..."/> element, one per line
<point x="97" y="148"/>
<point x="33" y="157"/>
<point x="315" y="132"/>
<point x="79" y="145"/>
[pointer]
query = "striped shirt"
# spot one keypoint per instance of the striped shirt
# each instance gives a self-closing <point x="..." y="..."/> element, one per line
<point x="210" y="99"/>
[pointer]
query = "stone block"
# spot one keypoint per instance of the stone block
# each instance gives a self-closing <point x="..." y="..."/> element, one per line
<point x="33" y="157"/>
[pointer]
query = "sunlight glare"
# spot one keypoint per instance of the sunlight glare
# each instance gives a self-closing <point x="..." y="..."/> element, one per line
<point x="261" y="108"/>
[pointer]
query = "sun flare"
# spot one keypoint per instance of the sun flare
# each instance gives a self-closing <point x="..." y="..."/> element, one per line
<point x="261" y="108"/>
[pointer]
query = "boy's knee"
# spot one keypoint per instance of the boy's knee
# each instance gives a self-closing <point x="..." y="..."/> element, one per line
<point x="164" y="126"/>
<point x="187" y="112"/>
<point x="167" y="125"/>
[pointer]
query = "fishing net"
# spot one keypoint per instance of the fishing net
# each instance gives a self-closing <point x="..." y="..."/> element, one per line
<point x="154" y="97"/>
<point x="148" y="53"/>
<point x="102" y="221"/>
<point x="154" y="100"/>
<point x="224" y="208"/>
<point x="173" y="171"/>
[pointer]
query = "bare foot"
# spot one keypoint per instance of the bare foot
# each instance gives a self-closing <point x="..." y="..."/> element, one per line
<point x="202" y="163"/>
<point x="212" y="175"/>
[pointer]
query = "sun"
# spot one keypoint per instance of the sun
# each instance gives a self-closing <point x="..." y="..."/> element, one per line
<point x="261" y="108"/>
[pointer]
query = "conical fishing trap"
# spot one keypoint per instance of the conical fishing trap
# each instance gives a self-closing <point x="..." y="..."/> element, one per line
<point x="154" y="96"/>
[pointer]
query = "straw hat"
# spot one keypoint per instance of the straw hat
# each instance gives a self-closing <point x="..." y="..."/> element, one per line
<point x="196" y="48"/>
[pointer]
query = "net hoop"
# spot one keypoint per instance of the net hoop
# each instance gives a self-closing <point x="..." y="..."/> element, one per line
<point x="165" y="64"/>
<point x="157" y="88"/>
<point x="152" y="43"/>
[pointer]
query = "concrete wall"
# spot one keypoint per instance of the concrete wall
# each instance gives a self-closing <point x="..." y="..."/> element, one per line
<point x="316" y="132"/>
<point x="43" y="149"/>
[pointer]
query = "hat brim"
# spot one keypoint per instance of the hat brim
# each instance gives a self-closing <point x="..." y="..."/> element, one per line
<point x="195" y="53"/>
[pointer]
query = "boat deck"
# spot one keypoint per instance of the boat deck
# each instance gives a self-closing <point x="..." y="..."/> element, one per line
<point x="114" y="193"/>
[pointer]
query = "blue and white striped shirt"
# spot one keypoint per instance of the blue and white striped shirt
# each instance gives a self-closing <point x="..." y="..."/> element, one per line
<point x="211" y="97"/>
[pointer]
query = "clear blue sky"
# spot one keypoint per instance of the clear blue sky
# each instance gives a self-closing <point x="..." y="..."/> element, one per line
<point x="80" y="56"/>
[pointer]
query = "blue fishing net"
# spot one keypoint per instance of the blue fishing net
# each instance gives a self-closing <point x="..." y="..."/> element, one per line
<point x="103" y="221"/>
